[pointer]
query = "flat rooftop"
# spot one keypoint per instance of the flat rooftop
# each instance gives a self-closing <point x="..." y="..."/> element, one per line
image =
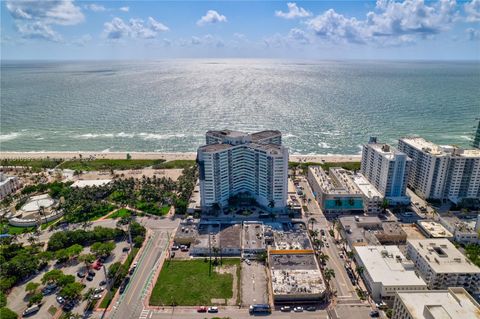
<point x="221" y="236"/>
<point x="336" y="181"/>
<point x="291" y="239"/>
<point x="365" y="186"/>
<point x="452" y="303"/>
<point x="459" y="224"/>
<point x="385" y="150"/>
<point x="210" y="148"/>
<point x="434" y="229"/>
<point x="253" y="236"/>
<point x="442" y="256"/>
<point x="387" y="265"/>
<point x="440" y="150"/>
<point x="265" y="134"/>
<point x="295" y="274"/>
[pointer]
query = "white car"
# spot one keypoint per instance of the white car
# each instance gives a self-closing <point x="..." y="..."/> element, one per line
<point x="98" y="290"/>
<point x="298" y="309"/>
<point x="212" y="309"/>
<point x="96" y="297"/>
<point x="248" y="262"/>
<point x="60" y="300"/>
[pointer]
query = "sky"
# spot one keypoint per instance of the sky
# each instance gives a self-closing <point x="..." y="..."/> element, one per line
<point x="107" y="30"/>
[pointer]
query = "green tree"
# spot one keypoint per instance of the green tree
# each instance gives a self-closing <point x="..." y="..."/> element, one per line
<point x="312" y="221"/>
<point x="35" y="299"/>
<point x="113" y="268"/>
<point x="31" y="287"/>
<point x="359" y="271"/>
<point x="384" y="205"/>
<point x="328" y="275"/>
<point x="138" y="241"/>
<point x="6" y="313"/>
<point x="102" y="249"/>
<point x="74" y="250"/>
<point x="65" y="280"/>
<point x="3" y="300"/>
<point x="52" y="276"/>
<point x="323" y="258"/>
<point x="88" y="259"/>
<point x="389" y="313"/>
<point x="72" y="291"/>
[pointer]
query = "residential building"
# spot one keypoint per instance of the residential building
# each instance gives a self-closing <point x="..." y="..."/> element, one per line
<point x="335" y="192"/>
<point x="432" y="229"/>
<point x="387" y="169"/>
<point x="442" y="265"/>
<point x="452" y="303"/>
<point x="476" y="139"/>
<point x="371" y="231"/>
<point x="442" y="172"/>
<point x="387" y="271"/>
<point x="234" y="163"/>
<point x="464" y="231"/>
<point x="8" y="185"/>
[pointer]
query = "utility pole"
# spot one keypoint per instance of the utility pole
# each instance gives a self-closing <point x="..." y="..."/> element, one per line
<point x="210" y="254"/>
<point x="130" y="235"/>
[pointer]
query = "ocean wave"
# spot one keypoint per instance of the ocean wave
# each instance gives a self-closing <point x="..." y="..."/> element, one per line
<point x="466" y="137"/>
<point x="324" y="145"/>
<point x="153" y="136"/>
<point x="9" y="136"/>
<point x="104" y="135"/>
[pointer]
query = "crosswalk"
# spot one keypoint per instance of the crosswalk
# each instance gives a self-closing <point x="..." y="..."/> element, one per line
<point x="144" y="314"/>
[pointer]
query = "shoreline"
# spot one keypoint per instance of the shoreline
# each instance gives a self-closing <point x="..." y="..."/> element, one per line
<point x="168" y="156"/>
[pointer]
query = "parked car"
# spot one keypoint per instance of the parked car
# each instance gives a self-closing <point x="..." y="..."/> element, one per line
<point x="97" y="265"/>
<point x="175" y="247"/>
<point x="31" y="310"/>
<point x="298" y="309"/>
<point x="202" y="309"/>
<point x="103" y="283"/>
<point x="68" y="306"/>
<point x="98" y="290"/>
<point x="248" y="262"/>
<point x="285" y="309"/>
<point x="91" y="273"/>
<point x="96" y="296"/>
<point x="183" y="248"/>
<point x="213" y="309"/>
<point x="89" y="278"/>
<point x="60" y="300"/>
<point x="81" y="274"/>
<point x="125" y="249"/>
<point x="311" y="308"/>
<point x="374" y="314"/>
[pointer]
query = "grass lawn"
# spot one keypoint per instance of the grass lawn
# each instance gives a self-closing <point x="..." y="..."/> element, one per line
<point x="107" y="164"/>
<point x="52" y="310"/>
<point x="50" y="223"/>
<point x="123" y="212"/>
<point x="6" y="228"/>
<point x="108" y="298"/>
<point x="187" y="283"/>
<point x="175" y="164"/>
<point x="33" y="163"/>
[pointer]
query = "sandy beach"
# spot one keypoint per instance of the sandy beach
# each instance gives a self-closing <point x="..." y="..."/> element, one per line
<point x="166" y="156"/>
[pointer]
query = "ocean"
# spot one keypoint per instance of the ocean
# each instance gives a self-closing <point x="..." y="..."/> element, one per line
<point x="321" y="107"/>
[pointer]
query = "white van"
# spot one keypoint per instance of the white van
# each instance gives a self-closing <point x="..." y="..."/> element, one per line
<point x="31" y="310"/>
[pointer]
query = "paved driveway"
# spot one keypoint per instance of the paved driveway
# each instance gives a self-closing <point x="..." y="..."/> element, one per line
<point x="254" y="283"/>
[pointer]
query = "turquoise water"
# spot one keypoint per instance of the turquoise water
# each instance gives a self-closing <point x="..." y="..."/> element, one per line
<point x="321" y="107"/>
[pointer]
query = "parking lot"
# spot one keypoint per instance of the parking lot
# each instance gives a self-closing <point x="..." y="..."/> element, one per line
<point x="18" y="302"/>
<point x="254" y="283"/>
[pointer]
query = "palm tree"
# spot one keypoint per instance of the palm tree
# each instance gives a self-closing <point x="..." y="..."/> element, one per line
<point x="328" y="274"/>
<point x="318" y="243"/>
<point x="323" y="258"/>
<point x="359" y="271"/>
<point x="384" y="205"/>
<point x="314" y="233"/>
<point x="312" y="221"/>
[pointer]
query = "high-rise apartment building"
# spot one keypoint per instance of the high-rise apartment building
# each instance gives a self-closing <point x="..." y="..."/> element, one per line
<point x="234" y="163"/>
<point x="442" y="265"/>
<point x="442" y="172"/>
<point x="476" y="138"/>
<point x="387" y="169"/>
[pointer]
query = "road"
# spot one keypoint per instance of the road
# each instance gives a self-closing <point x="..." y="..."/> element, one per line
<point x="131" y="303"/>
<point x="341" y="283"/>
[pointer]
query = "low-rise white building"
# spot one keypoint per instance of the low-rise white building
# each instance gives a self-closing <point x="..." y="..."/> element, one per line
<point x="8" y="185"/>
<point x="387" y="271"/>
<point x="454" y="303"/>
<point x="462" y="231"/>
<point x="442" y="265"/>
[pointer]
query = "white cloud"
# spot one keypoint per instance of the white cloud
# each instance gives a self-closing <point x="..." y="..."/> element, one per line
<point x="195" y="40"/>
<point x="38" y="30"/>
<point x="95" y="7"/>
<point x="392" y="23"/>
<point x="472" y="10"/>
<point x="124" y="9"/>
<point x="299" y="35"/>
<point x="34" y="19"/>
<point x="211" y="17"/>
<point x="293" y="12"/>
<point x="157" y="26"/>
<point x="134" y="28"/>
<point x="472" y="34"/>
